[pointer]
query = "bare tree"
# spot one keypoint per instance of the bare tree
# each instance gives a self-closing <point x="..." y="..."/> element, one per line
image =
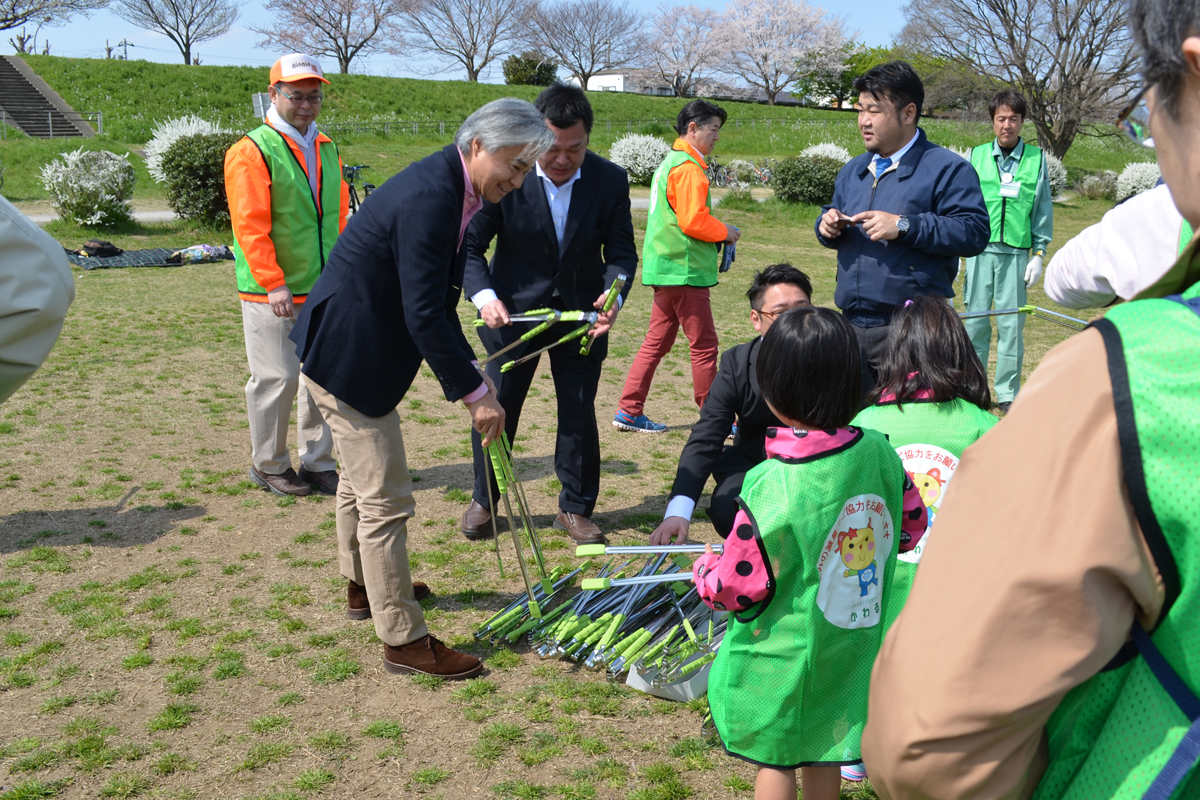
<point x="343" y="29"/>
<point x="184" y="22"/>
<point x="1072" y="59"/>
<point x="15" y="13"/>
<point x="771" y="44"/>
<point x="473" y="33"/>
<point x="685" y="44"/>
<point x="587" y="36"/>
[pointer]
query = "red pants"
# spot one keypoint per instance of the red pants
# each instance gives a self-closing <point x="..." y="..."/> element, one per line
<point x="674" y="306"/>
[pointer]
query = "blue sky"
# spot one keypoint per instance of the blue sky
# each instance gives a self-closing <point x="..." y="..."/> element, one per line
<point x="876" y="22"/>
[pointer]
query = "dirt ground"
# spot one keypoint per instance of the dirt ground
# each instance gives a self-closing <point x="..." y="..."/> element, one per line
<point x="169" y="630"/>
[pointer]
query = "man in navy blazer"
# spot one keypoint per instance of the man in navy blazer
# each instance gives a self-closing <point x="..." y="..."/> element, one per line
<point x="560" y="242"/>
<point x="385" y="302"/>
<point x="902" y="214"/>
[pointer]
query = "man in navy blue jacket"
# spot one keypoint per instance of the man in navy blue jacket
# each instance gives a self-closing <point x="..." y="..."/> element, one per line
<point x="903" y="213"/>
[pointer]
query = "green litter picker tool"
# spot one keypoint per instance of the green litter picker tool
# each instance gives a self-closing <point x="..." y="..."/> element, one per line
<point x="1033" y="311"/>
<point x="614" y="292"/>
<point x="500" y="456"/>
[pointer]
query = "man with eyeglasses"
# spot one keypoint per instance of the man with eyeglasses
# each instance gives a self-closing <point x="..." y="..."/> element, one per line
<point x="734" y="397"/>
<point x="288" y="204"/>
<point x="1050" y="649"/>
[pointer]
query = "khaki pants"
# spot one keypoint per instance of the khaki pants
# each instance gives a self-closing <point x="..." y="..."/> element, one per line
<point x="374" y="501"/>
<point x="274" y="383"/>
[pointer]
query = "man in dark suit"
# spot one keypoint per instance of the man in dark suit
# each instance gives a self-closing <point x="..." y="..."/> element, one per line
<point x="384" y="302"/>
<point x="734" y="395"/>
<point x="560" y="242"/>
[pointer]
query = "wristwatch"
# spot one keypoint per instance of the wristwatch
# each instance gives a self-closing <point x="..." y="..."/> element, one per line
<point x="902" y="226"/>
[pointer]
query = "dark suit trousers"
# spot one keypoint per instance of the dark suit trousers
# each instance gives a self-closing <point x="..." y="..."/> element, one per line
<point x="728" y="473"/>
<point x="576" y="377"/>
<point x="871" y="342"/>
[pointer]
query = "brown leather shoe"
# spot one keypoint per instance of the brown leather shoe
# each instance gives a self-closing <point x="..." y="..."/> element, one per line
<point x="428" y="656"/>
<point x="578" y="527"/>
<point x="477" y="522"/>
<point x="285" y="484"/>
<point x="358" y="607"/>
<point x="325" y="481"/>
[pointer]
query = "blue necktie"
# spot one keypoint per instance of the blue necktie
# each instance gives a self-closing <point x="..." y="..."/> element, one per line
<point x="881" y="166"/>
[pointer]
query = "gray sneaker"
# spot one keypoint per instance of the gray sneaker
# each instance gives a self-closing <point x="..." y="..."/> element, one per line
<point x="285" y="484"/>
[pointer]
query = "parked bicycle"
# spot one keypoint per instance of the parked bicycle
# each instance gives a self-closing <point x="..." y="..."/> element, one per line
<point x="763" y="175"/>
<point x="718" y="175"/>
<point x="352" y="174"/>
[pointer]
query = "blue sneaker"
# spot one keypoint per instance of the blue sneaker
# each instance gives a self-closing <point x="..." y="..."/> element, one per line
<point x="641" y="423"/>
<point x="855" y="772"/>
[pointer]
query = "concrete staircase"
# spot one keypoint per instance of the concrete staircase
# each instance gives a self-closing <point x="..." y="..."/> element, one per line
<point x="30" y="105"/>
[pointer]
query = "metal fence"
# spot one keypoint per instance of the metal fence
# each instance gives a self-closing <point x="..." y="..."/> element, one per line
<point x="439" y="127"/>
<point x="94" y="118"/>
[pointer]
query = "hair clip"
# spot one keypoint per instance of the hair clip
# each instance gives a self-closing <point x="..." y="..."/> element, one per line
<point x="907" y="303"/>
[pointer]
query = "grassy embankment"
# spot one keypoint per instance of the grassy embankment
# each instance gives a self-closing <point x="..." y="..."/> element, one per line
<point x="135" y="95"/>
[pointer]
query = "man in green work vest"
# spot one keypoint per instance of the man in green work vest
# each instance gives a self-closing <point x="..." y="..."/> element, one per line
<point x="680" y="261"/>
<point x="1016" y="188"/>
<point x="287" y="203"/>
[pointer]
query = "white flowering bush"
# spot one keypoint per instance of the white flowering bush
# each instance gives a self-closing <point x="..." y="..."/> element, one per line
<point x="90" y="187"/>
<point x="639" y="155"/>
<point x="1057" y="174"/>
<point x="827" y="150"/>
<point x="1098" y="186"/>
<point x="1137" y="178"/>
<point x="740" y="170"/>
<point x="166" y="134"/>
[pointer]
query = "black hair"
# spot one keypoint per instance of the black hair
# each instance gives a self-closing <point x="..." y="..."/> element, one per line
<point x="700" y="112"/>
<point x="897" y="81"/>
<point x="565" y="105"/>
<point x="928" y="349"/>
<point x="772" y="276"/>
<point x="1159" y="27"/>
<point x="809" y="368"/>
<point x="1009" y="97"/>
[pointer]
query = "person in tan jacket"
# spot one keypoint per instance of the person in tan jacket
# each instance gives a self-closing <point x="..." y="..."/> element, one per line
<point x="36" y="290"/>
<point x="1042" y="566"/>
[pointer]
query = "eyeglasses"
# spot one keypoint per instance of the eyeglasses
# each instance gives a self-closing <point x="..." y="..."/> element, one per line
<point x="301" y="99"/>
<point x="771" y="315"/>
<point x="1134" y="120"/>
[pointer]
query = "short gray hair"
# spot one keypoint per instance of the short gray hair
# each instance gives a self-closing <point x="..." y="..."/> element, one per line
<point x="1160" y="26"/>
<point x="507" y="122"/>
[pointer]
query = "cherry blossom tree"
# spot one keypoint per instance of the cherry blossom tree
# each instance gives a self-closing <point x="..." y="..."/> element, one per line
<point x="587" y="36"/>
<point x="685" y="44"/>
<point x="771" y="44"/>
<point x="471" y="32"/>
<point x="342" y="29"/>
<point x="15" y="13"/>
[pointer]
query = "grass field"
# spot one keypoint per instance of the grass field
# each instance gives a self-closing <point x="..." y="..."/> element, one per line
<point x="135" y="95"/>
<point x="167" y="630"/>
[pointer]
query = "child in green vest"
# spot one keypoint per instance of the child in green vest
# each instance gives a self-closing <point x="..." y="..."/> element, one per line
<point x="808" y="566"/>
<point x="932" y="403"/>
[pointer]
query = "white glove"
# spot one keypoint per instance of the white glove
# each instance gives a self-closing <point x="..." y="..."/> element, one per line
<point x="1033" y="271"/>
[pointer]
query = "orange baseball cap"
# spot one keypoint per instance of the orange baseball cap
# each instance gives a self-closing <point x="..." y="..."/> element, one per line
<point x="296" y="67"/>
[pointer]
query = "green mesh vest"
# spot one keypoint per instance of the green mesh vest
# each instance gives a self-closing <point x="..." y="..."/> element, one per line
<point x="669" y="256"/>
<point x="303" y="230"/>
<point x="1112" y="735"/>
<point x="930" y="438"/>
<point x="789" y="684"/>
<point x="1010" y="215"/>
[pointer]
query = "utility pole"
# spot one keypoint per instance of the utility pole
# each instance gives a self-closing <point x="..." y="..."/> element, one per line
<point x="125" y="44"/>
